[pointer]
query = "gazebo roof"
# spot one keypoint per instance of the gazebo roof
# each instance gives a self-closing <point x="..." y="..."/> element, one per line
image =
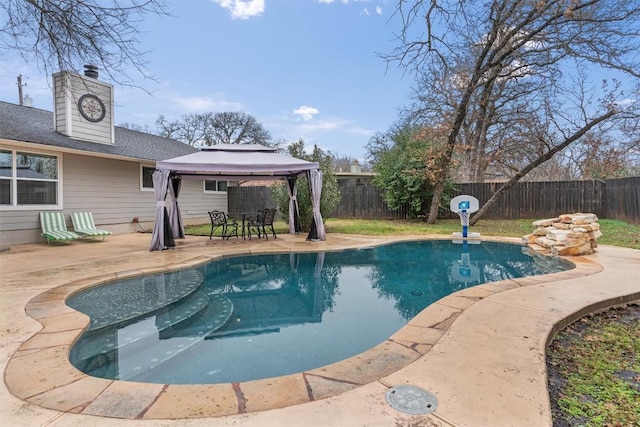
<point x="237" y="162"/>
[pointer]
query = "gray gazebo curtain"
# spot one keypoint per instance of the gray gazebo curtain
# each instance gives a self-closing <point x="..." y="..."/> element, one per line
<point x="294" y="216"/>
<point x="162" y="237"/>
<point x="315" y="187"/>
<point x="175" y="217"/>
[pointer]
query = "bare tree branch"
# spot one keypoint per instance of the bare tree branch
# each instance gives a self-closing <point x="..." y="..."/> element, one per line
<point x="64" y="35"/>
<point x="538" y="161"/>
<point x="208" y="129"/>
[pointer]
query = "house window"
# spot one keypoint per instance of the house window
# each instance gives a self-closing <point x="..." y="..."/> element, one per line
<point x="215" y="186"/>
<point x="28" y="179"/>
<point x="146" y="179"/>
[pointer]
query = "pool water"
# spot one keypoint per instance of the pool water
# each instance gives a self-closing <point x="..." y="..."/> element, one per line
<point x="251" y="317"/>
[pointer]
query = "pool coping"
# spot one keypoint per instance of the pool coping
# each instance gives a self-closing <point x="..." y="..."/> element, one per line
<point x="40" y="373"/>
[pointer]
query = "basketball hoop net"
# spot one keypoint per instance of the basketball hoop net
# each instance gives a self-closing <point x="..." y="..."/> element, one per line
<point x="464" y="218"/>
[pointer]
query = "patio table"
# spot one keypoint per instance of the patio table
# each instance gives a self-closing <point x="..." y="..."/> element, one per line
<point x="241" y="217"/>
<point x="246" y="220"/>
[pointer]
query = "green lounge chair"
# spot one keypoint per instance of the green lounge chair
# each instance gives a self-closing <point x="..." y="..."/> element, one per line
<point x="54" y="228"/>
<point x="83" y="225"/>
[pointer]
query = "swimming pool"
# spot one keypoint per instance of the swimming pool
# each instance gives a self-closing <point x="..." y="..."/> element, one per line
<point x="250" y="317"/>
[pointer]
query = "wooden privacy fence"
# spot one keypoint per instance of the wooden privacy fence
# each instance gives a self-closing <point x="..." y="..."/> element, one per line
<point x="539" y="199"/>
<point x="611" y="199"/>
<point x="249" y="199"/>
<point x="622" y="199"/>
<point x="366" y="202"/>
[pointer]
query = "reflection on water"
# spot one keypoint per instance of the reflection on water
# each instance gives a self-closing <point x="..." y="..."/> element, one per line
<point x="463" y="271"/>
<point x="251" y="317"/>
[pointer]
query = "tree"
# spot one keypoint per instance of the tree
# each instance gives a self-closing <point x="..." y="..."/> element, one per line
<point x="330" y="193"/>
<point x="67" y="34"/>
<point x="208" y="129"/>
<point x="407" y="168"/>
<point x="597" y="156"/>
<point x="136" y="127"/>
<point x="519" y="72"/>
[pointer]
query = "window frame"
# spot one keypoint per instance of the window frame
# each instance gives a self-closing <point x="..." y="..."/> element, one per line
<point x="216" y="191"/>
<point x="14" y="178"/>
<point x="142" y="168"/>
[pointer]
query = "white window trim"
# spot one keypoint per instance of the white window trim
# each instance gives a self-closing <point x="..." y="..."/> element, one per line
<point x="204" y="186"/>
<point x="142" y="166"/>
<point x="14" y="181"/>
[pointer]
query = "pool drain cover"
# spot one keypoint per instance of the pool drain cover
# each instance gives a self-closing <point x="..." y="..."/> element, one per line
<point x="412" y="400"/>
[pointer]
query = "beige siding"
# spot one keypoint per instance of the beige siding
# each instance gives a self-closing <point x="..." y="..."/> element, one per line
<point x="83" y="129"/>
<point x="68" y="90"/>
<point x="110" y="189"/>
<point x="60" y="107"/>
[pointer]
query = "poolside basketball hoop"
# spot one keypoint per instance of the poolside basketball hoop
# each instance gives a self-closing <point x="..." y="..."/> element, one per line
<point x="464" y="206"/>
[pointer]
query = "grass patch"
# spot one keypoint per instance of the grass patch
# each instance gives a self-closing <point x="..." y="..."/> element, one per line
<point x="616" y="233"/>
<point x="511" y="228"/>
<point x="589" y="357"/>
<point x="619" y="233"/>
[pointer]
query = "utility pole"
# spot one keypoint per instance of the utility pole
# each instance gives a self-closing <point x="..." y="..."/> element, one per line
<point x="20" y="85"/>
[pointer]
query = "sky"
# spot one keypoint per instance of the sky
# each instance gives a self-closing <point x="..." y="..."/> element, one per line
<point x="305" y="69"/>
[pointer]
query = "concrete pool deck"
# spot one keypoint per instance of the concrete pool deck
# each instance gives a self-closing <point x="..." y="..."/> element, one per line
<point x="480" y="351"/>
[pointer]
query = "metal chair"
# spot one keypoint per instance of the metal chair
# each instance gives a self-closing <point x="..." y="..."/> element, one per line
<point x="255" y="222"/>
<point x="268" y="219"/>
<point x="259" y="222"/>
<point x="220" y="219"/>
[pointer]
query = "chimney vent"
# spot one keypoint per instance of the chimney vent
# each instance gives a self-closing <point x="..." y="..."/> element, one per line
<point x="354" y="167"/>
<point x="91" y="71"/>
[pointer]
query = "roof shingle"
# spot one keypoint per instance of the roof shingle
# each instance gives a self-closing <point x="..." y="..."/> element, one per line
<point x="28" y="124"/>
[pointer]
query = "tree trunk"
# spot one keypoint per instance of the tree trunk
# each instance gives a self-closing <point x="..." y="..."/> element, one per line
<point x="435" y="202"/>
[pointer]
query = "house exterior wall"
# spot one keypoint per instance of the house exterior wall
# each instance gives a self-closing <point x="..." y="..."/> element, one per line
<point x="111" y="190"/>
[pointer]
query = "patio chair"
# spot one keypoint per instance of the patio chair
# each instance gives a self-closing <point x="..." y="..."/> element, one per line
<point x="263" y="219"/>
<point x="54" y="228"/>
<point x="83" y="225"/>
<point x="255" y="222"/>
<point x="269" y="217"/>
<point x="221" y="219"/>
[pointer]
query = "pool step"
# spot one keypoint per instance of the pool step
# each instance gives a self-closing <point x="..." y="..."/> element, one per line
<point x="181" y="337"/>
<point x="134" y="298"/>
<point x="205" y="322"/>
<point x="140" y="334"/>
<point x="141" y="347"/>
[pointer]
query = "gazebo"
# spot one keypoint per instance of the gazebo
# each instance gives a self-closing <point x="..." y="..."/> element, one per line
<point x="231" y="162"/>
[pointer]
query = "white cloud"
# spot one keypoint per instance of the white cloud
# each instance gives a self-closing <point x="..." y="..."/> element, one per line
<point x="306" y="112"/>
<point x="626" y="101"/>
<point x="343" y="1"/>
<point x="199" y="104"/>
<point x="292" y="128"/>
<point x="364" y="11"/>
<point x="242" y="9"/>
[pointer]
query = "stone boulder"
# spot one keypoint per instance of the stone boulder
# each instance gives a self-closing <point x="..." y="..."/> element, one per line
<point x="568" y="234"/>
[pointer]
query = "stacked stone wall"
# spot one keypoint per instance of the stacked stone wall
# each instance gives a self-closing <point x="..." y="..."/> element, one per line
<point x="568" y="234"/>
